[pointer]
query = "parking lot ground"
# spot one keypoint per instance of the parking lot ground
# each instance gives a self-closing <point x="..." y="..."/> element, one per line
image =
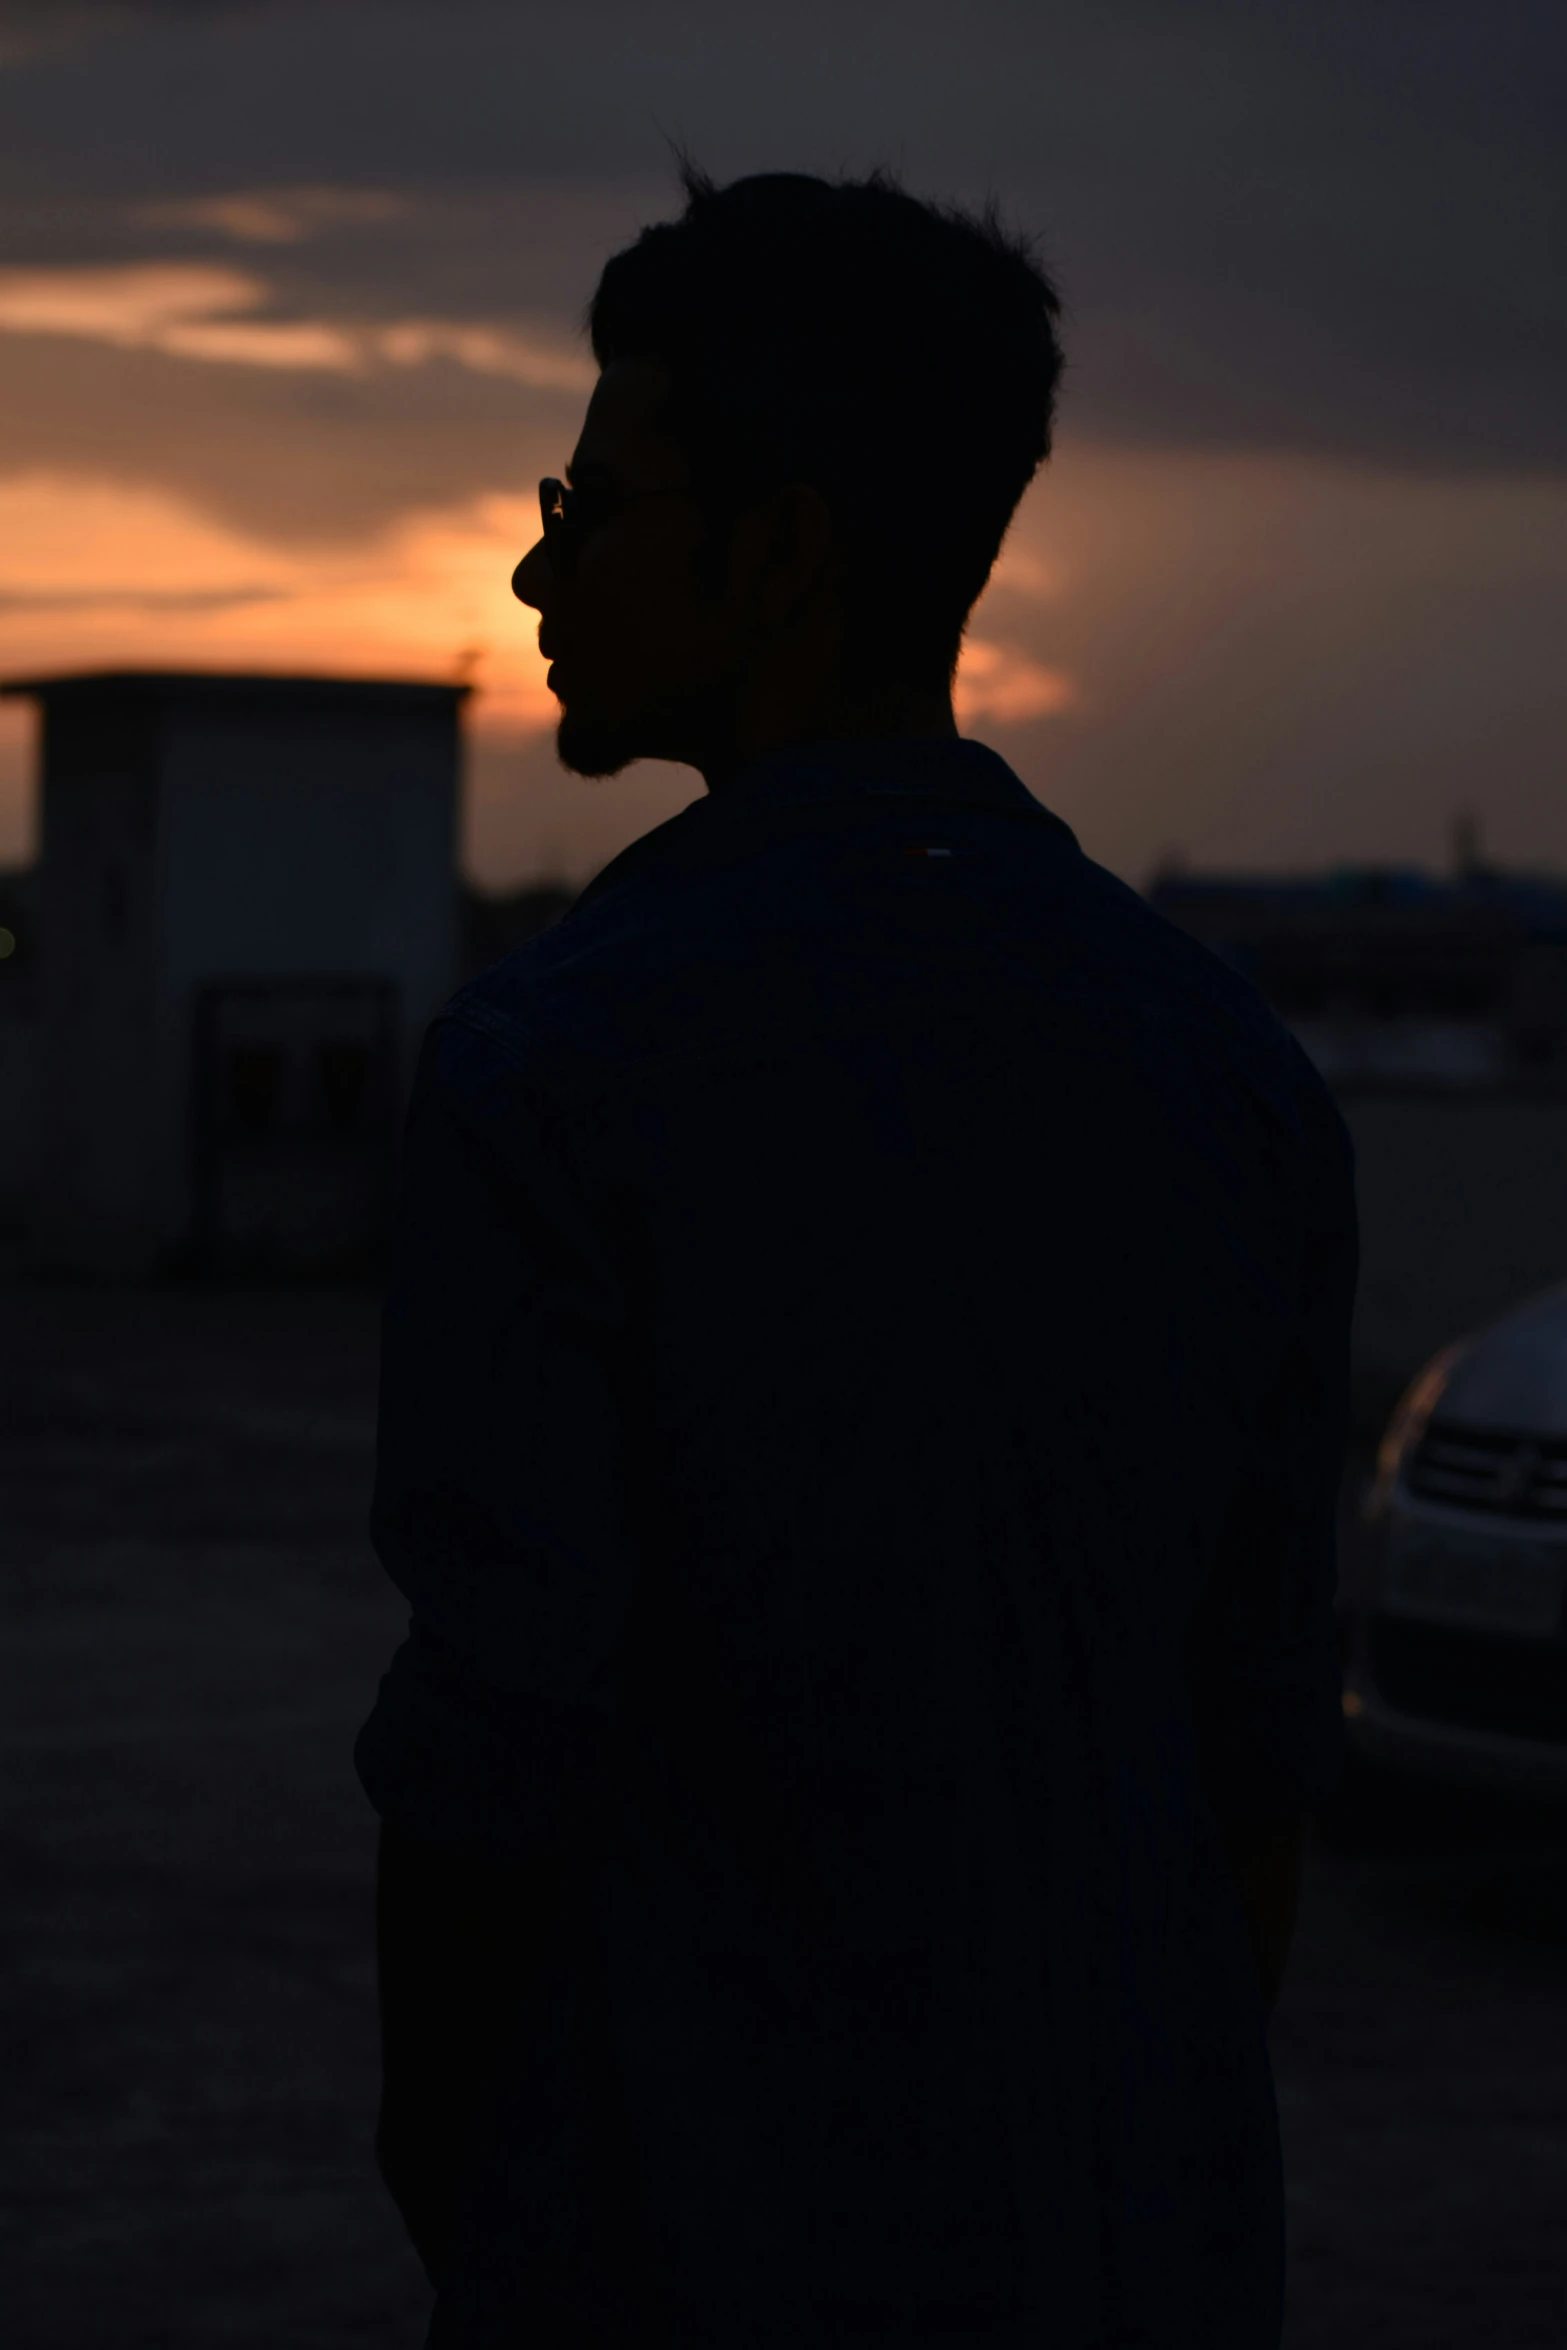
<point x="1420" y="2050"/>
<point x="194" y="1624"/>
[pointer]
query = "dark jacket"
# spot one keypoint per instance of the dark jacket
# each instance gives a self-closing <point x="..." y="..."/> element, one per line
<point x="863" y="1399"/>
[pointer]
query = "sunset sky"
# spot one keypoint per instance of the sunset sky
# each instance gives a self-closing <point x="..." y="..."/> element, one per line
<point x="289" y="304"/>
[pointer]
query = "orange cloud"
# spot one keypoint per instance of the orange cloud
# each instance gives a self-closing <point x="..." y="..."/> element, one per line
<point x="102" y="570"/>
<point x="99" y="572"/>
<point x="484" y="350"/>
<point x="138" y="304"/>
<point x="274" y="216"/>
<point x="1022" y="572"/>
<point x="201" y="311"/>
<point x="1002" y="682"/>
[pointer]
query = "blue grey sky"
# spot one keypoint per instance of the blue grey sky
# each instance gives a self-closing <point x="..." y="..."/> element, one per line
<point x="289" y="300"/>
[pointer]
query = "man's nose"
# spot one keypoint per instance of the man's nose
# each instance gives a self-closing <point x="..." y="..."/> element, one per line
<point x="532" y="580"/>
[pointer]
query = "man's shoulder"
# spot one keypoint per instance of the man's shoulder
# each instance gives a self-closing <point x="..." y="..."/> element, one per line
<point x="574" y="997"/>
<point x="709" y="924"/>
<point x="1197" y="1013"/>
<point x="533" y="1001"/>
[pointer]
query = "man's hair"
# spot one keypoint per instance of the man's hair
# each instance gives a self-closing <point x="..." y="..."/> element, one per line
<point x="899" y="357"/>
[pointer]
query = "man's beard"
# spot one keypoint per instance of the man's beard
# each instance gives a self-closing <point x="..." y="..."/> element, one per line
<point x="584" y="747"/>
<point x="675" y="730"/>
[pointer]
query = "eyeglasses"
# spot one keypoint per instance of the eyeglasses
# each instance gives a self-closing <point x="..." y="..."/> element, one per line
<point x="572" y="516"/>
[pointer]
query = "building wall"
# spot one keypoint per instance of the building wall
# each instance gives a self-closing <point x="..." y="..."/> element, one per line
<point x="313" y="845"/>
<point x="18" y="1048"/>
<point x="18" y="1112"/>
<point x="1463" y="1211"/>
<point x="96" y="1087"/>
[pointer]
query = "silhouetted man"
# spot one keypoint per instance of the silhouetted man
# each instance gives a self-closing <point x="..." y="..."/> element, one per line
<point x="863" y="1392"/>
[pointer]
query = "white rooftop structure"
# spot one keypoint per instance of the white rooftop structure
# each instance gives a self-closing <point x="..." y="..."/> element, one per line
<point x="248" y="915"/>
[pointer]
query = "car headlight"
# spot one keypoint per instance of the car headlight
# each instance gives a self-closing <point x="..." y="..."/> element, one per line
<point x="1405" y="1429"/>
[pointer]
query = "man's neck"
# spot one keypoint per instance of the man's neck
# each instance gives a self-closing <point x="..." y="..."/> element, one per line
<point x="885" y="713"/>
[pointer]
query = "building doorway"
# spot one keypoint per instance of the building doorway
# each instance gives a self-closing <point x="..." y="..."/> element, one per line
<point x="294" y="1123"/>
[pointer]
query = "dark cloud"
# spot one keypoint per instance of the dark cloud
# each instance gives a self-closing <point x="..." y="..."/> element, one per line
<point x="285" y="457"/>
<point x="138" y="599"/>
<point x="1332" y="228"/>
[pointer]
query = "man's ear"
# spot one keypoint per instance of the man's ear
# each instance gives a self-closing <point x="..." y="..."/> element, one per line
<point x="784" y="552"/>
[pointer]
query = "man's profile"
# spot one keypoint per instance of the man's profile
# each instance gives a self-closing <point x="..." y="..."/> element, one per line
<point x="864" y="1383"/>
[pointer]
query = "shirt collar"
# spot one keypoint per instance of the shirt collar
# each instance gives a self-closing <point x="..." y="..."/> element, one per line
<point x="905" y="767"/>
<point x="947" y="768"/>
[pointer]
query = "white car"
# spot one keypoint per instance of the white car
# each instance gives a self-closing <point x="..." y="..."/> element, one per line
<point x="1457" y="1646"/>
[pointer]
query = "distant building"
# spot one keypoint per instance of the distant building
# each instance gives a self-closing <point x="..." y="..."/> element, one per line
<point x="1437" y="1012"/>
<point x="246" y="915"/>
<point x="1392" y="977"/>
<point x="18" y="1044"/>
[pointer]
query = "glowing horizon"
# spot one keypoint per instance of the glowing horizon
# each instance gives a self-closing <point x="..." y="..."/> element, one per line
<point x="101" y="574"/>
<point x="1244" y="656"/>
